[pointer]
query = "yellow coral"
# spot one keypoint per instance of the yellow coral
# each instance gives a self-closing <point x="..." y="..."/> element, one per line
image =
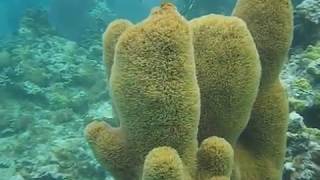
<point x="220" y="178"/>
<point x="163" y="164"/>
<point x="110" y="39"/>
<point x="262" y="145"/>
<point x="228" y="72"/>
<point x="215" y="159"/>
<point x="155" y="94"/>
<point x="270" y="23"/>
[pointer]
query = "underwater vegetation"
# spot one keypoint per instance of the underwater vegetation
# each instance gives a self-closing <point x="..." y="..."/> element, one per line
<point x="165" y="68"/>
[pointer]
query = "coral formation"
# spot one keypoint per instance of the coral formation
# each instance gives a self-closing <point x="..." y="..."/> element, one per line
<point x="225" y="55"/>
<point x="47" y="85"/>
<point x="312" y="52"/>
<point x="153" y="86"/>
<point x="301" y="75"/>
<point x="51" y="87"/>
<point x="110" y="39"/>
<point x="309" y="9"/>
<point x="163" y="163"/>
<point x="157" y="67"/>
<point x="302" y="159"/>
<point x="215" y="159"/>
<point x="262" y="144"/>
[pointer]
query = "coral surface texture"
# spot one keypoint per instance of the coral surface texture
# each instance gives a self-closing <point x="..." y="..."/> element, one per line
<point x="199" y="99"/>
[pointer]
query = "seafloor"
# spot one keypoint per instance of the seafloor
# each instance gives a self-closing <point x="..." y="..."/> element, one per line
<point x="51" y="87"/>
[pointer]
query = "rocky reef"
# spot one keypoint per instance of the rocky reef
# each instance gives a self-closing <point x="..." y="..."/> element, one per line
<point x="301" y="76"/>
<point x="50" y="87"/>
<point x="303" y="153"/>
<point x="307" y="18"/>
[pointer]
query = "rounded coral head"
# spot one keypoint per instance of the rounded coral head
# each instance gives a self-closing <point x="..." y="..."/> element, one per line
<point x="163" y="163"/>
<point x="216" y="156"/>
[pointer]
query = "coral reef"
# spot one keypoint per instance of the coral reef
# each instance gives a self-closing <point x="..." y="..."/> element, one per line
<point x="309" y="9"/>
<point x="307" y="20"/>
<point x="110" y="39"/>
<point x="262" y="144"/>
<point x="300" y="77"/>
<point x="153" y="84"/>
<point x="49" y="88"/>
<point x="302" y="80"/>
<point x="225" y="54"/>
<point x="302" y="159"/>
<point x="215" y="159"/>
<point x="72" y="66"/>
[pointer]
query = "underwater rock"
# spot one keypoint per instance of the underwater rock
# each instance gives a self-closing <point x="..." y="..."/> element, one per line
<point x="312" y="116"/>
<point x="301" y="76"/>
<point x="302" y="158"/>
<point x="5" y="119"/>
<point x="102" y="112"/>
<point x="312" y="52"/>
<point x="43" y="101"/>
<point x="296" y="123"/>
<point x="35" y="23"/>
<point x="305" y="165"/>
<point x="5" y="59"/>
<point x="307" y="23"/>
<point x="61" y="116"/>
<point x="49" y="172"/>
<point x="314" y="69"/>
<point x="309" y="9"/>
<point x="36" y="60"/>
<point x="14" y="121"/>
<point x="7" y="168"/>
